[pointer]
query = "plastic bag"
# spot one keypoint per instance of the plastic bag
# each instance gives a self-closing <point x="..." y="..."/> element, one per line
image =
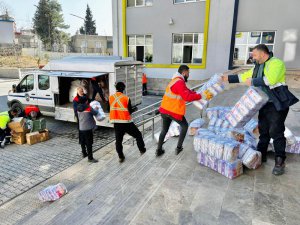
<point x="53" y="192"/>
<point x="101" y="115"/>
<point x="174" y="129"/>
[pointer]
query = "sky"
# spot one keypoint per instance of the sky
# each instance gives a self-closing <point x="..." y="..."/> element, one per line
<point x="23" y="12"/>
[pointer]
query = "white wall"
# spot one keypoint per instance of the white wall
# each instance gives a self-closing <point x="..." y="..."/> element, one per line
<point x="281" y="16"/>
<point x="7" y="34"/>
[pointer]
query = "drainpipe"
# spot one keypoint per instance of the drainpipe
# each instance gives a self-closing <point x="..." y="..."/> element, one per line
<point x="234" y="23"/>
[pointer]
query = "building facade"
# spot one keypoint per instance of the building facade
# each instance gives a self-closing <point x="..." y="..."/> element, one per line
<point x="7" y="29"/>
<point x="211" y="36"/>
<point x="92" y="44"/>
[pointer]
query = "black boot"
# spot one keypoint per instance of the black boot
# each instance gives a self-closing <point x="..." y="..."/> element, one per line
<point x="178" y="150"/>
<point x="142" y="151"/>
<point x="159" y="152"/>
<point x="279" y="166"/>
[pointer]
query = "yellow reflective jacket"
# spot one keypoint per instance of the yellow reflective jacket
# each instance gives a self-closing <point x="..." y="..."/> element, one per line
<point x="274" y="72"/>
<point x="4" y="120"/>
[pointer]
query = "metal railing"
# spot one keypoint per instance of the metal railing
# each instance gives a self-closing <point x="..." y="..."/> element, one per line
<point x="150" y="113"/>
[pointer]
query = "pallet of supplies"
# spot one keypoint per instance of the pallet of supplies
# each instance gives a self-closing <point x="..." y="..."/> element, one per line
<point x="248" y="105"/>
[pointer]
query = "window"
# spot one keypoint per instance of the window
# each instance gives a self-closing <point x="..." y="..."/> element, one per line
<point x="246" y="41"/>
<point x="109" y="44"/>
<point x="97" y="44"/>
<point x="139" y="3"/>
<point x="187" y="48"/>
<point x="83" y="44"/>
<point x="186" y="1"/>
<point x="140" y="47"/>
<point x="27" y="84"/>
<point x="44" y="83"/>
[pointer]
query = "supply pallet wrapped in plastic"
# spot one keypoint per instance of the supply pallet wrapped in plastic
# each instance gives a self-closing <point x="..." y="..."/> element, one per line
<point x="227" y="169"/>
<point x="195" y="125"/>
<point x="53" y="192"/>
<point x="248" y="105"/>
<point x="214" y="85"/>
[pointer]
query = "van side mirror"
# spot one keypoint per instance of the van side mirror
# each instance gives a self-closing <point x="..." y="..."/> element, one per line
<point x="14" y="88"/>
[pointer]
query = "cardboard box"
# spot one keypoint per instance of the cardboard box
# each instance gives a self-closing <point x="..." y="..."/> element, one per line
<point x="19" y="138"/>
<point x="32" y="138"/>
<point x="17" y="125"/>
<point x="37" y="137"/>
<point x="44" y="135"/>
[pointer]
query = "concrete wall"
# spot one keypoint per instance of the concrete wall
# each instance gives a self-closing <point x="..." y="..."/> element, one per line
<point x="7" y="34"/>
<point x="187" y="18"/>
<point x="278" y="15"/>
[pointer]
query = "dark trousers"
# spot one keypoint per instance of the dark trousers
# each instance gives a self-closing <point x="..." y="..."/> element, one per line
<point x="271" y="125"/>
<point x="86" y="142"/>
<point x="132" y="130"/>
<point x="166" y="122"/>
<point x="4" y="133"/>
<point x="145" y="92"/>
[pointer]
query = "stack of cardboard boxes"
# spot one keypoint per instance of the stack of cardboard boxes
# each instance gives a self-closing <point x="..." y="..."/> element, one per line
<point x="21" y="134"/>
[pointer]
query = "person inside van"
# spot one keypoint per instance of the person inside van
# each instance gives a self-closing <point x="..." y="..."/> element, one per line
<point x="96" y="89"/>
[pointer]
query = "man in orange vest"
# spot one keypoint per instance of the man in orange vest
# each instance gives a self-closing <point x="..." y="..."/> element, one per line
<point x="120" y="116"/>
<point x="173" y="107"/>
<point x="144" y="82"/>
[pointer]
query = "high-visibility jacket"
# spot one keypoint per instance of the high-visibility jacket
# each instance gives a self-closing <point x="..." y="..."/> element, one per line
<point x="274" y="71"/>
<point x="144" y="79"/>
<point x="173" y="102"/>
<point x="119" y="112"/>
<point x="4" y="120"/>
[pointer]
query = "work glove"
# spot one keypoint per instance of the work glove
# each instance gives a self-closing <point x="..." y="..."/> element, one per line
<point x="207" y="95"/>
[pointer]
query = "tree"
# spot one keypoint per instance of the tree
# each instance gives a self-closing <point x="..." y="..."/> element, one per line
<point x="5" y="9"/>
<point x="89" y="23"/>
<point x="48" y="22"/>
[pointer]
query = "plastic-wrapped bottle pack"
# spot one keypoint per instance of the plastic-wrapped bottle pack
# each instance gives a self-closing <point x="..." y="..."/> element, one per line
<point x="52" y="193"/>
<point x="228" y="169"/>
<point x="214" y="85"/>
<point x="248" y="105"/>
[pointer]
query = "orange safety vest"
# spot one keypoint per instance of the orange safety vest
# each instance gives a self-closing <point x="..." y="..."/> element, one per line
<point x="144" y="79"/>
<point x="172" y="102"/>
<point x="119" y="108"/>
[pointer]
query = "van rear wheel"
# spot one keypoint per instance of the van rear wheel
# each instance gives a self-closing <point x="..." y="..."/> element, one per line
<point x="18" y="107"/>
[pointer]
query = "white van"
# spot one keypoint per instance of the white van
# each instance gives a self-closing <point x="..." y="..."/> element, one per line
<point x="49" y="88"/>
